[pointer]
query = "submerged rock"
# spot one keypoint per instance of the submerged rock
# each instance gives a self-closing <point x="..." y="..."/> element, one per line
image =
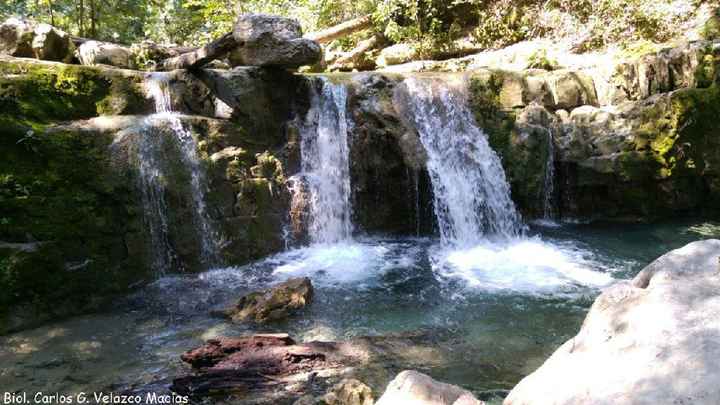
<point x="349" y="392"/>
<point x="274" y="303"/>
<point x="266" y="40"/>
<point x="413" y="388"/>
<point x="651" y="340"/>
<point x="259" y="362"/>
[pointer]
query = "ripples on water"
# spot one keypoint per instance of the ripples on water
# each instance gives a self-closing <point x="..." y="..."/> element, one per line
<point x="495" y="310"/>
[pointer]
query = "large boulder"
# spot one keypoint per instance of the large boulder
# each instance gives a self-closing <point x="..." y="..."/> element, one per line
<point x="651" y="340"/>
<point x="413" y="388"/>
<point x="103" y="53"/>
<point x="265" y="40"/>
<point x="50" y="43"/>
<point x="16" y="38"/>
<point x="274" y="303"/>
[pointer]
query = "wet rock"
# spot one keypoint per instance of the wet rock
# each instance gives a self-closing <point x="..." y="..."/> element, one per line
<point x="274" y="303"/>
<point x="349" y="392"/>
<point x="413" y="388"/>
<point x="16" y="38"/>
<point x="635" y="336"/>
<point x="266" y="40"/>
<point x="260" y="362"/>
<point x="103" y="53"/>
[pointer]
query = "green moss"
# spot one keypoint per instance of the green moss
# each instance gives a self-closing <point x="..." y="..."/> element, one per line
<point x="638" y="49"/>
<point x="124" y="97"/>
<point x="58" y="92"/>
<point x="707" y="71"/>
<point x="57" y="187"/>
<point x="523" y="155"/>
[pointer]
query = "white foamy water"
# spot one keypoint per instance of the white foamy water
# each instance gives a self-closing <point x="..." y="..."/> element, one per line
<point x="528" y="265"/>
<point x="325" y="174"/>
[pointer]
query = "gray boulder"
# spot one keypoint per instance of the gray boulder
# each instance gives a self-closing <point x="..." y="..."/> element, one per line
<point x="413" y="388"/>
<point x="265" y="40"/>
<point x="103" y="53"/>
<point x="50" y="43"/>
<point x="16" y="38"/>
<point x="651" y="340"/>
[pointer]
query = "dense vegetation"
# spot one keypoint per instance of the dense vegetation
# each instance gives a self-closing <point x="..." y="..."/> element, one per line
<point x="429" y="24"/>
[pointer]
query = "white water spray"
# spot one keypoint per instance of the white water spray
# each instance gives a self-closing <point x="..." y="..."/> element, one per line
<point x="325" y="165"/>
<point x="471" y="195"/>
<point x="157" y="86"/>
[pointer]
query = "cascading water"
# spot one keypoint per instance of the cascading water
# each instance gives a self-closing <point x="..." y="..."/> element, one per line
<point x="325" y="171"/>
<point x="549" y="181"/>
<point x="157" y="86"/>
<point x="152" y="188"/>
<point x="471" y="194"/>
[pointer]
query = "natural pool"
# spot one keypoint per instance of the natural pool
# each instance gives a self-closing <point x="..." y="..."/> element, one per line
<point x="480" y="317"/>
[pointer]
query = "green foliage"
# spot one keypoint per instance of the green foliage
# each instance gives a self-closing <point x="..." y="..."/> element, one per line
<point x="540" y="60"/>
<point x="430" y="25"/>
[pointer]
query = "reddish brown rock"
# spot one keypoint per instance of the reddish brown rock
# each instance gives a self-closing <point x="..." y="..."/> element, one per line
<point x="257" y="362"/>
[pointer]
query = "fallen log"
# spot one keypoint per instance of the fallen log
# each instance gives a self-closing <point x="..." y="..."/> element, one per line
<point x="341" y="30"/>
<point x="351" y="58"/>
<point x="202" y="55"/>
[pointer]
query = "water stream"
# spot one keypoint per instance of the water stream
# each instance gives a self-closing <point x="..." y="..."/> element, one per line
<point x="325" y="165"/>
<point x="471" y="195"/>
<point x="158" y="87"/>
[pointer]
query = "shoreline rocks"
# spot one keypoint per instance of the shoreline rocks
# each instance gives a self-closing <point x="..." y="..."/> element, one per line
<point x="651" y="340"/>
<point x="414" y="388"/>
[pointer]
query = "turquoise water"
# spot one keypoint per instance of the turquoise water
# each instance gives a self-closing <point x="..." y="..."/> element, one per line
<point x="481" y="318"/>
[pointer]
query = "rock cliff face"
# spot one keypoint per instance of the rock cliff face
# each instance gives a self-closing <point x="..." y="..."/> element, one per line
<point x="630" y="142"/>
<point x="72" y="215"/>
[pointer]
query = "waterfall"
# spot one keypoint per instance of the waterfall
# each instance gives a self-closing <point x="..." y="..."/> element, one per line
<point x="549" y="181"/>
<point x="152" y="178"/>
<point x="325" y="169"/>
<point x="157" y="86"/>
<point x="470" y="193"/>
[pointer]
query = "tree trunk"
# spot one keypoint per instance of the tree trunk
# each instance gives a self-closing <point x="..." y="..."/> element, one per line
<point x="356" y="53"/>
<point x="93" y="31"/>
<point x="341" y="30"/>
<point x="81" y="18"/>
<point x="52" y="14"/>
<point x="201" y="56"/>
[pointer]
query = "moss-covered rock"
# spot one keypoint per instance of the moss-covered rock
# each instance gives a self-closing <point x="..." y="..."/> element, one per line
<point x="47" y="91"/>
<point x="57" y="187"/>
<point x="520" y="137"/>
